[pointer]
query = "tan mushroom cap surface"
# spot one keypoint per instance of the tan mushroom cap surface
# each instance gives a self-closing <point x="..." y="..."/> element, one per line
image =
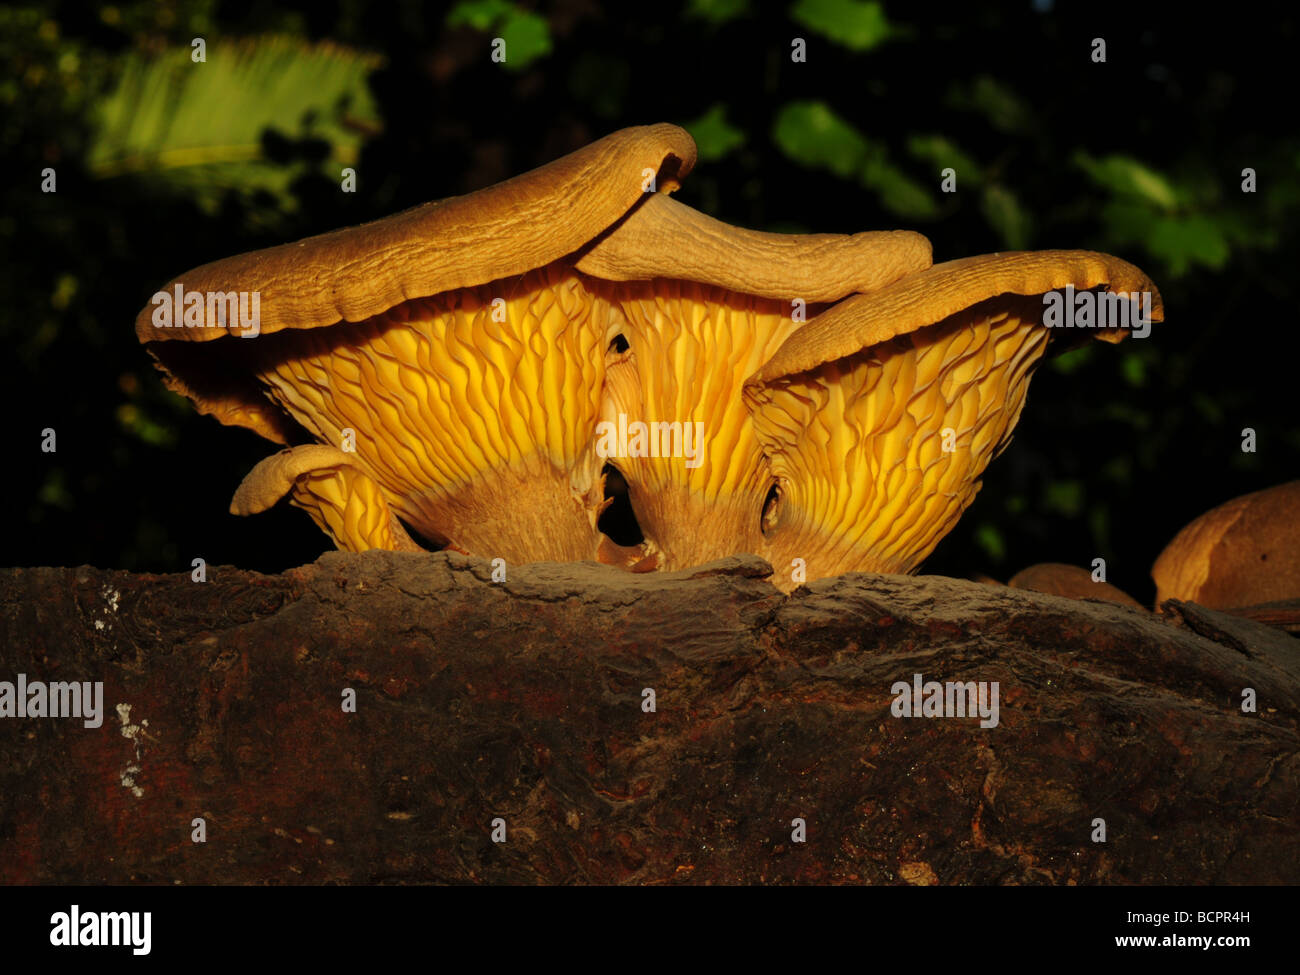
<point x="947" y="288"/>
<point x="881" y="414"/>
<point x="511" y="227"/>
<point x="353" y="274"/>
<point x="1242" y="553"/>
<point x="663" y="238"/>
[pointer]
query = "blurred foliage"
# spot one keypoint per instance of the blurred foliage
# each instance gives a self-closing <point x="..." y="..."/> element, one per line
<point x="716" y="11"/>
<point x="163" y="164"/>
<point x="526" y="35"/>
<point x="238" y="121"/>
<point x="714" y="136"/>
<point x="859" y="25"/>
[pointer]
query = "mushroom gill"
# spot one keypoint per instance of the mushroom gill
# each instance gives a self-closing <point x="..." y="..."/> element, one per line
<point x="881" y="414"/>
<point x="866" y="476"/>
<point x="472" y="410"/>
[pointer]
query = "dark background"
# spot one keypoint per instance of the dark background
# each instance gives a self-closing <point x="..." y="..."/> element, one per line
<point x="163" y="164"/>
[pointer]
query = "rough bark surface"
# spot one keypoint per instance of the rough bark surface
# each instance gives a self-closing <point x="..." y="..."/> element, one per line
<point x="522" y="700"/>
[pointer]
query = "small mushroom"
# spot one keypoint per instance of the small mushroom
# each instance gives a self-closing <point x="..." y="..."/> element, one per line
<point x="341" y="498"/>
<point x="1242" y="553"/>
<point x="1071" y="581"/>
<point x="880" y="415"/>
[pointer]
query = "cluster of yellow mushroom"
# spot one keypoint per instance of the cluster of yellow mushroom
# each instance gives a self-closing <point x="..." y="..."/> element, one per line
<point x="464" y="371"/>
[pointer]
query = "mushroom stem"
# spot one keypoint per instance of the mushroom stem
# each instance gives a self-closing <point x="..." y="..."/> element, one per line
<point x="696" y="477"/>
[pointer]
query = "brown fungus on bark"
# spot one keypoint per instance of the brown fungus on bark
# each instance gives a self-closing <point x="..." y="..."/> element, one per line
<point x="880" y="415"/>
<point x="1244" y="552"/>
<point x="1070" y="581"/>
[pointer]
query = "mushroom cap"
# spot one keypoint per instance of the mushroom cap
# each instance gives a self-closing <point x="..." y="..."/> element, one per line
<point x="501" y="230"/>
<point x="663" y="238"/>
<point x="1244" y="552"/>
<point x="1059" y="579"/>
<point x="274" y="477"/>
<point x="352" y="275"/>
<point x="344" y="501"/>
<point x="852" y="409"/>
<point x="932" y="295"/>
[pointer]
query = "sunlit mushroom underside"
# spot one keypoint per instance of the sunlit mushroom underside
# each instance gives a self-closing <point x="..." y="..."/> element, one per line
<point x="691" y="348"/>
<point x="878" y="454"/>
<point x="474" y="419"/>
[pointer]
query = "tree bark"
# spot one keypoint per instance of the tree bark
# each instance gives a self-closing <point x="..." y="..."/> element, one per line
<point x="524" y="701"/>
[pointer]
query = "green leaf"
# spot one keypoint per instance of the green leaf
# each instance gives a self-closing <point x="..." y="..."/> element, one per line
<point x="199" y="127"/>
<point x="1126" y="176"/>
<point x="54" y="490"/>
<point x="1208" y="408"/>
<point x="942" y="153"/>
<point x="1065" y="497"/>
<point x="1126" y="221"/>
<point x="1006" y="216"/>
<point x="898" y="192"/>
<point x="858" y="25"/>
<point x="482" y="15"/>
<point x="717" y="12"/>
<point x="812" y="134"/>
<point x="1134" y="369"/>
<point x="1001" y="106"/>
<point x="990" y="540"/>
<point x="136" y="422"/>
<point x="714" y="135"/>
<point x="1185" y="241"/>
<point x="527" y="35"/>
